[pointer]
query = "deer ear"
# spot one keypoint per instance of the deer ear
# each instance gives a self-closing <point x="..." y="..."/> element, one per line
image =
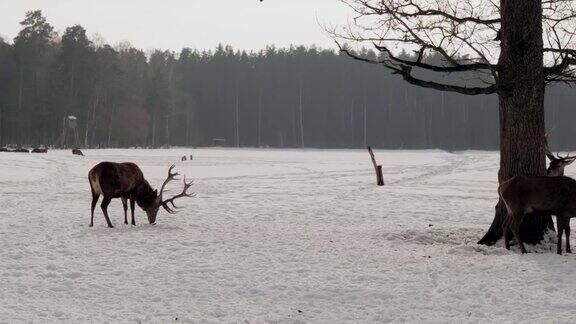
<point x="550" y="156"/>
<point x="156" y="192"/>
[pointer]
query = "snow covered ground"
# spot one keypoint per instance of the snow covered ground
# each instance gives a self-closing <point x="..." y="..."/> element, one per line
<point x="277" y="236"/>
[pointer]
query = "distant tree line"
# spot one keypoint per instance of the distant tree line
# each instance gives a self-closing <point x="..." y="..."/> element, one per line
<point x="294" y="97"/>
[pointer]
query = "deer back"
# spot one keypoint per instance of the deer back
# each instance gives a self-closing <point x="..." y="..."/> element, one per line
<point x="525" y="194"/>
<point x="115" y="179"/>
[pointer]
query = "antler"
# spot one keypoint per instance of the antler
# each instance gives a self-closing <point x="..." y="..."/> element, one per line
<point x="171" y="176"/>
<point x="567" y="157"/>
<point x="552" y="157"/>
<point x="187" y="186"/>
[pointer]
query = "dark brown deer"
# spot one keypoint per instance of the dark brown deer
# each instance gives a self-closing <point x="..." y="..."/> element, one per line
<point x="77" y="152"/>
<point x="523" y="195"/>
<point x="126" y="181"/>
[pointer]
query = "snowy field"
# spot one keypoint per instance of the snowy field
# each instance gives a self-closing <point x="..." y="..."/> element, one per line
<point x="274" y="236"/>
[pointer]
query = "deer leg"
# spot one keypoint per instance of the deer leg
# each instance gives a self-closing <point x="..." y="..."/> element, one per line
<point x="560" y="225"/>
<point x="506" y="231"/>
<point x="95" y="198"/>
<point x="567" y="233"/>
<point x="125" y="206"/>
<point x="515" y="227"/>
<point x="104" y="206"/>
<point x="132" y="210"/>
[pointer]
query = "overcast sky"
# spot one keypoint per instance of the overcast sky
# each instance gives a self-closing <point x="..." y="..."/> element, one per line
<point x="173" y="24"/>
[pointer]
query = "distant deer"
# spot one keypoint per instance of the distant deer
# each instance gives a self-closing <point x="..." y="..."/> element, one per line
<point x="77" y="152"/>
<point x="126" y="181"/>
<point x="40" y="150"/>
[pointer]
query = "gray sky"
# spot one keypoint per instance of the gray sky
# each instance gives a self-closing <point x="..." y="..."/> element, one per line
<point x="173" y="24"/>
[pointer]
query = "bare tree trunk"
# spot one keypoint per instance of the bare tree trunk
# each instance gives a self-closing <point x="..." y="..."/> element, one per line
<point x="1" y="128"/>
<point x="171" y="104"/>
<point x="236" y="117"/>
<point x="92" y="123"/>
<point x="260" y="118"/>
<point x="71" y="88"/>
<point x="20" y="103"/>
<point x="364" y="142"/>
<point x="154" y="129"/>
<point x="301" y="118"/>
<point x="20" y="88"/>
<point x="521" y="99"/>
<point x="86" y="128"/>
<point x="167" y="131"/>
<point x="187" y="125"/>
<point x="110" y="126"/>
<point x="377" y="168"/>
<point x="352" y="130"/>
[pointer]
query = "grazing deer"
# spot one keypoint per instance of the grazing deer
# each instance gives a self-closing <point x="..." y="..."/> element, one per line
<point x="77" y="152"/>
<point x="126" y="181"/>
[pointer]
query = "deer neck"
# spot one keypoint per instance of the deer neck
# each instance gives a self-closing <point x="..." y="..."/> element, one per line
<point x="145" y="195"/>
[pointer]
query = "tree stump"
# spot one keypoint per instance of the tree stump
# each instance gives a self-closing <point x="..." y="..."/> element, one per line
<point x="377" y="168"/>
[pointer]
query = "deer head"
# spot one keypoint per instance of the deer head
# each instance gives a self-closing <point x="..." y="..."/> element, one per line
<point x="557" y="162"/>
<point x="159" y="201"/>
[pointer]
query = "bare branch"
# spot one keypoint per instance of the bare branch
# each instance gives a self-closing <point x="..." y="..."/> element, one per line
<point x="406" y="73"/>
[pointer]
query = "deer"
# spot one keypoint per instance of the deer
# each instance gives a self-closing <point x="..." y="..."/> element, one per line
<point x="523" y="195"/>
<point x="558" y="163"/>
<point x="552" y="193"/>
<point x="126" y="181"/>
<point x="41" y="149"/>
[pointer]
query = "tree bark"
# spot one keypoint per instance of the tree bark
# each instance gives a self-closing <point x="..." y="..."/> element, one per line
<point x="521" y="101"/>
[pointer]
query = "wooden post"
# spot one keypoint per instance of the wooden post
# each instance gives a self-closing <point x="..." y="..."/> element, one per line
<point x="377" y="168"/>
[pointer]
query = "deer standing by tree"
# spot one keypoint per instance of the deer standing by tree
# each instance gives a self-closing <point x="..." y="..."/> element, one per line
<point x="523" y="195"/>
<point x="126" y="181"/>
<point x="555" y="194"/>
<point x="511" y="48"/>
